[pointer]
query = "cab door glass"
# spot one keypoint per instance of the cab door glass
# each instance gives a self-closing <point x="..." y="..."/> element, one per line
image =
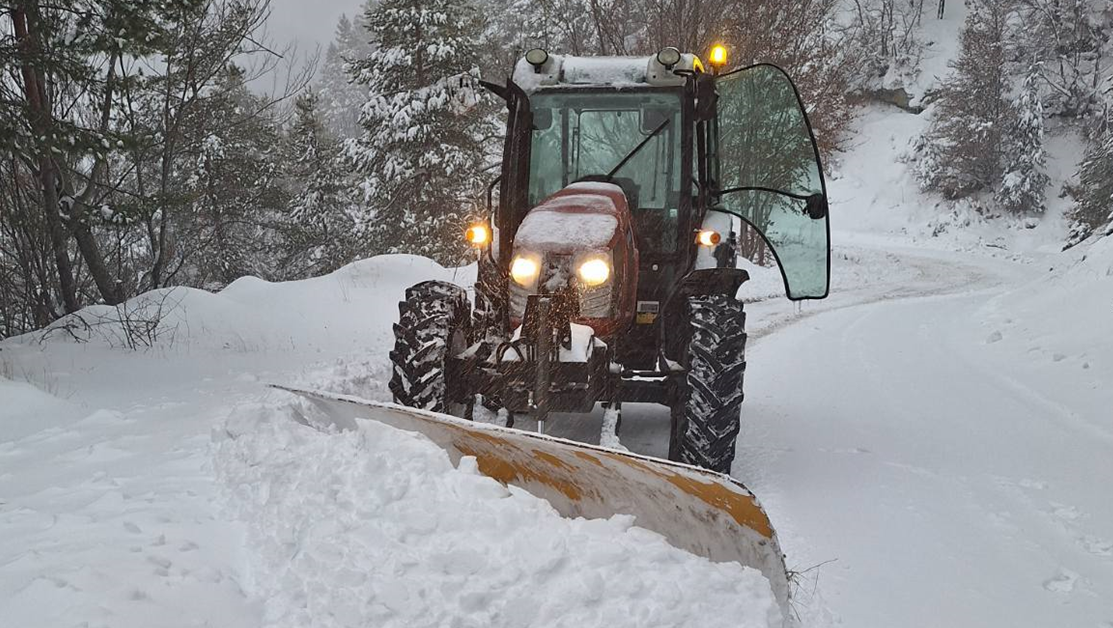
<point x="770" y="174"/>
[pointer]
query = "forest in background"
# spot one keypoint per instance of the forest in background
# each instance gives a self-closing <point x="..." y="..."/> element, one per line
<point x="136" y="152"/>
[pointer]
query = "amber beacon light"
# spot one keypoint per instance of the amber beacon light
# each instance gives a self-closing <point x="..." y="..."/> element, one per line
<point x="478" y="235"/>
<point x="718" y="56"/>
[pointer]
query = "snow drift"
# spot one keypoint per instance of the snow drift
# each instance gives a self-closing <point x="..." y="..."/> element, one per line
<point x="377" y="527"/>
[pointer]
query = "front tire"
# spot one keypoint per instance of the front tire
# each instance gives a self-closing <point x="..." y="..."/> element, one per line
<point x="433" y="325"/>
<point x="706" y="411"/>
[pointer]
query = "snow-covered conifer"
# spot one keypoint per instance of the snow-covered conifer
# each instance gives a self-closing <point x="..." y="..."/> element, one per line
<point x="318" y="230"/>
<point x="339" y="98"/>
<point x="963" y="146"/>
<point x="1025" y="181"/>
<point x="1094" y="210"/>
<point x="419" y="153"/>
<point x="234" y="184"/>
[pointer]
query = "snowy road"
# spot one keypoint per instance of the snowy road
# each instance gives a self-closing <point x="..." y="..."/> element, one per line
<point x="900" y="456"/>
<point x="884" y="438"/>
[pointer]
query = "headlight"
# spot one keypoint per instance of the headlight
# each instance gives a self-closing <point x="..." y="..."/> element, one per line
<point x="524" y="270"/>
<point x="708" y="238"/>
<point x="594" y="272"/>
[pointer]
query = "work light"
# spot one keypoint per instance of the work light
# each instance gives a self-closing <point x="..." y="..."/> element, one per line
<point x="537" y="57"/>
<point x="718" y="56"/>
<point x="478" y="235"/>
<point x="668" y="57"/>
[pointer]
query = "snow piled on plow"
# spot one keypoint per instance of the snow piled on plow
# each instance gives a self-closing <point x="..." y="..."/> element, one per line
<point x="376" y="527"/>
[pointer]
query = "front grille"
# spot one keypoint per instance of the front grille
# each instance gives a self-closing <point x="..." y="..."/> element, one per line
<point x="556" y="272"/>
<point x="596" y="302"/>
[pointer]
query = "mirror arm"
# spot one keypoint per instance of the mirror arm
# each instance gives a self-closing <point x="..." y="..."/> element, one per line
<point x="497" y="90"/>
<point x="491" y="193"/>
<point x="815" y="205"/>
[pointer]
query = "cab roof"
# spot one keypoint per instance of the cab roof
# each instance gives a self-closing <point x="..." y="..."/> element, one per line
<point x="616" y="72"/>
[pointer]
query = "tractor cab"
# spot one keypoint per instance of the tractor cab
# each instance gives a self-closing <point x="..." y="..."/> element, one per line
<point x="692" y="150"/>
<point x="584" y="128"/>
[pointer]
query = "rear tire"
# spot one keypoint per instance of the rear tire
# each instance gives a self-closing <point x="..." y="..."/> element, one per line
<point x="706" y="411"/>
<point x="434" y="324"/>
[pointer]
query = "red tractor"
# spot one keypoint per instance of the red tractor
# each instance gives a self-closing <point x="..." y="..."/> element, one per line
<point x="608" y="269"/>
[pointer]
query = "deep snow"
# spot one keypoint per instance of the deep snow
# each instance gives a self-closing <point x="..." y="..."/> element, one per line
<point x="375" y="527"/>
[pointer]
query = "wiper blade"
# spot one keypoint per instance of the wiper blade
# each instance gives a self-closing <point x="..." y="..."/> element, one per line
<point x="630" y="155"/>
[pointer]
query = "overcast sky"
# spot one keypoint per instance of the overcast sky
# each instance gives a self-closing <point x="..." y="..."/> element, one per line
<point x="308" y="23"/>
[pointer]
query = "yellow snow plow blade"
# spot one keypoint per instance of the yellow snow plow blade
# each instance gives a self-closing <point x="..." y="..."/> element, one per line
<point x="706" y="513"/>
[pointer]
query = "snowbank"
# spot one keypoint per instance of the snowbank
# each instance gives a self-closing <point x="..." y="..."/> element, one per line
<point x="26" y="410"/>
<point x="351" y="307"/>
<point x="376" y="527"/>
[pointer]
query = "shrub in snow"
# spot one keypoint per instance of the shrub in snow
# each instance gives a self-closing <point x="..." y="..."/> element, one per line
<point x="1070" y="35"/>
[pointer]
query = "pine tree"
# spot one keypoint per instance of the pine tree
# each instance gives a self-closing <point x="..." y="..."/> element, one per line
<point x="963" y="146"/>
<point x="234" y="185"/>
<point x="419" y="154"/>
<point x="1094" y="211"/>
<point x="339" y="97"/>
<point x="318" y="227"/>
<point x="1025" y="181"/>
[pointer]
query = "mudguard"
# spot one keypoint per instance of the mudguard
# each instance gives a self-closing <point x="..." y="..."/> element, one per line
<point x="706" y="513"/>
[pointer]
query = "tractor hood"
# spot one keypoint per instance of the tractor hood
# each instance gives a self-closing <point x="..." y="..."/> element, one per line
<point x="567" y="238"/>
<point x="582" y="217"/>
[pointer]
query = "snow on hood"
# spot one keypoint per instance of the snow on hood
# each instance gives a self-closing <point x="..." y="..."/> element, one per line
<point x="551" y="227"/>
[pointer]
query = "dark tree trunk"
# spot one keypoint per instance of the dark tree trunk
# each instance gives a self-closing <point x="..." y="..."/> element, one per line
<point x="35" y="92"/>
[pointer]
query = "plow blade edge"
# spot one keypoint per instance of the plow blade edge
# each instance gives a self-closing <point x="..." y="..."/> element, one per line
<point x="705" y="513"/>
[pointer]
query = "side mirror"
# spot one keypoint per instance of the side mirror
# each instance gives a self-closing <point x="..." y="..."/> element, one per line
<point x="654" y="117"/>
<point x="462" y="92"/>
<point x="815" y="206"/>
<point x="542" y="119"/>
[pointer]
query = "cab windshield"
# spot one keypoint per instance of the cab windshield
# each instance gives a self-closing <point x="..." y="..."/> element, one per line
<point x="581" y="134"/>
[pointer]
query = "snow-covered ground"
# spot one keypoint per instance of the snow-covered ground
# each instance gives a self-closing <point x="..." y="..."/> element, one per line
<point x="934" y="444"/>
<point x="934" y="439"/>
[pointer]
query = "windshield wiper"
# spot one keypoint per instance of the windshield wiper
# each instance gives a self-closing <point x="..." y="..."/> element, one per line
<point x="630" y="155"/>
